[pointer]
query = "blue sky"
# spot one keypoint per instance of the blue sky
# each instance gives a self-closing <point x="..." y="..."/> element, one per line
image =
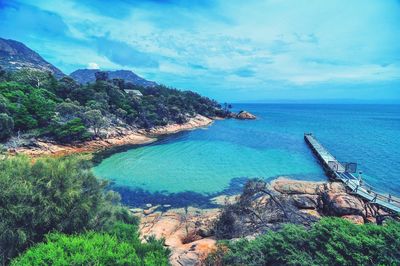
<point x="239" y="51"/>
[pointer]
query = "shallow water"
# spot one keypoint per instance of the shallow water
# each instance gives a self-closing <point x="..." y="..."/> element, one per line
<point x="195" y="164"/>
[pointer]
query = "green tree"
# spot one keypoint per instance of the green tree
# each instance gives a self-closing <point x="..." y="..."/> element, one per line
<point x="95" y="120"/>
<point x="51" y="194"/>
<point x="6" y="126"/>
<point x="73" y="130"/>
<point x="35" y="78"/>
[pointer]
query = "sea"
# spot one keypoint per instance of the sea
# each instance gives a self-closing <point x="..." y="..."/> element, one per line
<point x="193" y="167"/>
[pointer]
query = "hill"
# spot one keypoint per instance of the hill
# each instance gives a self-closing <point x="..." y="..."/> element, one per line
<point x="84" y="76"/>
<point x="15" y="56"/>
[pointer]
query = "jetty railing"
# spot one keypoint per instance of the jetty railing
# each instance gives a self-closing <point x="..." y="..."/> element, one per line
<point x="344" y="173"/>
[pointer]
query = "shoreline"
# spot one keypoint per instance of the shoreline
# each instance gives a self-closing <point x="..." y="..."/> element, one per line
<point x="117" y="138"/>
<point x="190" y="232"/>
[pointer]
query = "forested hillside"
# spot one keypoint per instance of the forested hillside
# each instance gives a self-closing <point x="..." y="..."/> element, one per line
<point x="36" y="103"/>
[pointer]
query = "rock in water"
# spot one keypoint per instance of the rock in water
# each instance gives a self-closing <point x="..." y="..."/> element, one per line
<point x="244" y="115"/>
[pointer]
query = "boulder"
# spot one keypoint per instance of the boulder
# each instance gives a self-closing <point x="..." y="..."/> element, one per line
<point x="336" y="187"/>
<point x="151" y="210"/>
<point x="305" y="201"/>
<point x="356" y="219"/>
<point x="193" y="254"/>
<point x="286" y="186"/>
<point x="244" y="115"/>
<point x="340" y="204"/>
<point x="136" y="210"/>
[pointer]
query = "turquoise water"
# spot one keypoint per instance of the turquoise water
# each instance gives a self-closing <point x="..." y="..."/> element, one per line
<point x="193" y="165"/>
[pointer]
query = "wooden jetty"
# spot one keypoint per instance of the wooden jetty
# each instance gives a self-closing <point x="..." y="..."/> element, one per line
<point x="344" y="172"/>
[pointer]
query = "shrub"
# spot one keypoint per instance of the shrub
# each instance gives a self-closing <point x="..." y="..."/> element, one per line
<point x="331" y="241"/>
<point x="50" y="194"/>
<point x="120" y="246"/>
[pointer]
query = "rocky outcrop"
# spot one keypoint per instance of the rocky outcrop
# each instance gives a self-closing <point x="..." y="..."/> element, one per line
<point x="191" y="233"/>
<point x="327" y="199"/>
<point x="193" y="123"/>
<point x="244" y="115"/>
<point x="265" y="206"/>
<point x="113" y="137"/>
<point x="187" y="232"/>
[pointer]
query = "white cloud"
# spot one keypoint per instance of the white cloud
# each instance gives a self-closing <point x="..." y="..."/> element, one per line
<point x="290" y="44"/>
<point x="93" y="65"/>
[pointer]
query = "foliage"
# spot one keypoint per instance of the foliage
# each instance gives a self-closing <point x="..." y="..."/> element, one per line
<point x="95" y="120"/>
<point x="120" y="246"/>
<point x="73" y="130"/>
<point x="29" y="107"/>
<point x="36" y="100"/>
<point x="6" y="126"/>
<point x="331" y="241"/>
<point x="51" y="195"/>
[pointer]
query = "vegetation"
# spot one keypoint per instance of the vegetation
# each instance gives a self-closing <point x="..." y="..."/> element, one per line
<point x="120" y="246"/>
<point x="331" y="241"/>
<point x="62" y="195"/>
<point x="36" y="102"/>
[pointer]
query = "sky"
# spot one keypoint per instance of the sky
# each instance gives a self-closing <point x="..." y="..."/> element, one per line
<point x="237" y="51"/>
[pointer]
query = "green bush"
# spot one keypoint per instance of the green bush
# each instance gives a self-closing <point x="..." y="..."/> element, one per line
<point x="73" y="130"/>
<point x="331" y="241"/>
<point x="120" y="246"/>
<point x="51" y="194"/>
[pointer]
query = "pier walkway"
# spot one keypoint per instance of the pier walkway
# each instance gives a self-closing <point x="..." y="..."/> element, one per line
<point x="344" y="172"/>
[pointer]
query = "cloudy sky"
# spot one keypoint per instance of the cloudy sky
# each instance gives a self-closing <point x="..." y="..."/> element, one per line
<point x="234" y="50"/>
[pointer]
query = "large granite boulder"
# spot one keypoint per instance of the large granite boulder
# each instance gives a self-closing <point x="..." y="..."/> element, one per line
<point x="306" y="201"/>
<point x="340" y="204"/>
<point x="356" y="219"/>
<point x="287" y="186"/>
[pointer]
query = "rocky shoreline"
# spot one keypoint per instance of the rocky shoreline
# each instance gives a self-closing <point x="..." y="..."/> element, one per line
<point x="191" y="235"/>
<point x="114" y="137"/>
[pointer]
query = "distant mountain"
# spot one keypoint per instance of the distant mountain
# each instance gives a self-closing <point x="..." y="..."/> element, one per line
<point x="84" y="76"/>
<point x="15" y="55"/>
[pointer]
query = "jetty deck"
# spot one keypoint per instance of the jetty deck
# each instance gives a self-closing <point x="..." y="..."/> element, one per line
<point x="344" y="172"/>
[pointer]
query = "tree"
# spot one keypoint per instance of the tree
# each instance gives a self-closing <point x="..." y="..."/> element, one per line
<point x="3" y="104"/>
<point x="95" y="120"/>
<point x="69" y="110"/>
<point x="6" y="126"/>
<point x="35" y="78"/>
<point x="2" y="74"/>
<point x="65" y="86"/>
<point x="73" y="130"/>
